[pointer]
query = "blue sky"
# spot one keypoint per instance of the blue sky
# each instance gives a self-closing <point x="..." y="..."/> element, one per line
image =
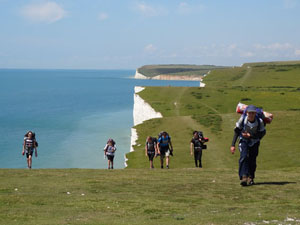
<point x="120" y="34"/>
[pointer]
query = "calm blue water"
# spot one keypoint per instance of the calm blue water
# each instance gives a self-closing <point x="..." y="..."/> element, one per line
<point x="73" y="113"/>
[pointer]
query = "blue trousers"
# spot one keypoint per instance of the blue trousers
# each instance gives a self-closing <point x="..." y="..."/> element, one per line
<point x="247" y="162"/>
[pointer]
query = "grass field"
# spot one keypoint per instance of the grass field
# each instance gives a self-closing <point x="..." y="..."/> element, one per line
<point x="183" y="194"/>
<point x="142" y="196"/>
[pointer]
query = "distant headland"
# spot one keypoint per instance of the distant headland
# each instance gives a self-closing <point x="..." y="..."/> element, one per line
<point x="175" y="72"/>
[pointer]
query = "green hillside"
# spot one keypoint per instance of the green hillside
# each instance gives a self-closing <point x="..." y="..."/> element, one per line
<point x="176" y="70"/>
<point x="182" y="195"/>
<point x="275" y="87"/>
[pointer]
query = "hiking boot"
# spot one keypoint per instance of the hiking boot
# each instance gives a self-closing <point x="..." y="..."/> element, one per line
<point x="250" y="181"/>
<point x="244" y="181"/>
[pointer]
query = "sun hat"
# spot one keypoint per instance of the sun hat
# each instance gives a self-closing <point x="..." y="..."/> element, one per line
<point x="251" y="108"/>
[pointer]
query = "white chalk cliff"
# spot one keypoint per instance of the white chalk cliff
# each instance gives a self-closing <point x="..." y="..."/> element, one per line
<point x="140" y="76"/>
<point x="142" y="111"/>
<point x="170" y="77"/>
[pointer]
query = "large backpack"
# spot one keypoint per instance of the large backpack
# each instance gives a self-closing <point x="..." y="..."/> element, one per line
<point x="33" y="138"/>
<point x="161" y="133"/>
<point x="113" y="142"/>
<point x="265" y="116"/>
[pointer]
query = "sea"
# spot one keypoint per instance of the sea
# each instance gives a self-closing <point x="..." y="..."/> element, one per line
<point x="72" y="112"/>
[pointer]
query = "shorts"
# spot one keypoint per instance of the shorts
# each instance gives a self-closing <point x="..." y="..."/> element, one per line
<point x="29" y="152"/>
<point x="164" y="151"/>
<point x="110" y="157"/>
<point x="151" y="155"/>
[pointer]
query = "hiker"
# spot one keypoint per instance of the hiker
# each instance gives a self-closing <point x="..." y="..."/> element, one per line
<point x="196" y="147"/>
<point x="165" y="148"/>
<point x="151" y="149"/>
<point x="29" y="145"/>
<point x="109" y="151"/>
<point x="250" y="129"/>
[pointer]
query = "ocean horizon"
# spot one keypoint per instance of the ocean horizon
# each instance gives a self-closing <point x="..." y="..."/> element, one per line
<point x="72" y="112"/>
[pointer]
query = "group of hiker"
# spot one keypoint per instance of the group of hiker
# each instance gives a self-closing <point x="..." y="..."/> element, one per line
<point x="250" y="129"/>
<point x="162" y="147"/>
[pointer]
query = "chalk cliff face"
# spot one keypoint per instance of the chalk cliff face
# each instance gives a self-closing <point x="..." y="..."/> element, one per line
<point x="167" y="77"/>
<point x="142" y="111"/>
<point x="140" y="76"/>
<point x="171" y="77"/>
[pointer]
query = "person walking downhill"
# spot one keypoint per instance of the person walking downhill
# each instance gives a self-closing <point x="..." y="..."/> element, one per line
<point x="109" y="150"/>
<point x="151" y="149"/>
<point x="196" y="148"/>
<point x="251" y="130"/>
<point x="165" y="148"/>
<point x="29" y="145"/>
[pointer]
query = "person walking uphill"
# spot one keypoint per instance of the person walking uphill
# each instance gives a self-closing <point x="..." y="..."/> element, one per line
<point x="251" y="130"/>
<point x="196" y="148"/>
<point x="29" y="145"/>
<point x="165" y="148"/>
<point x="151" y="149"/>
<point x="109" y="151"/>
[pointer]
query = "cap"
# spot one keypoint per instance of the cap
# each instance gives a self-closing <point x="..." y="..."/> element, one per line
<point x="251" y="108"/>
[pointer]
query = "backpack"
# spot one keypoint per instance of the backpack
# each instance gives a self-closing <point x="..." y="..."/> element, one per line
<point x="265" y="116"/>
<point x="201" y="135"/>
<point x="161" y="133"/>
<point x="113" y="142"/>
<point x="33" y="138"/>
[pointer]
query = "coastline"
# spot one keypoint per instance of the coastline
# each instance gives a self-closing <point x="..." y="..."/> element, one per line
<point x="138" y="75"/>
<point x="142" y="111"/>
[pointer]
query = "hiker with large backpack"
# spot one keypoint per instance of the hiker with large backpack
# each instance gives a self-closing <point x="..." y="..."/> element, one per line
<point x="151" y="149"/>
<point x="109" y="152"/>
<point x="29" y="145"/>
<point x="250" y="129"/>
<point x="196" y="146"/>
<point x="165" y="148"/>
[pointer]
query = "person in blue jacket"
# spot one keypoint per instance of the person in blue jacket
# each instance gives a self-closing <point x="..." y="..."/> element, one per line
<point x="165" y="148"/>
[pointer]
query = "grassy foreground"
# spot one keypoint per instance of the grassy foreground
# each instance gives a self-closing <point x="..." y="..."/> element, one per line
<point x="143" y="196"/>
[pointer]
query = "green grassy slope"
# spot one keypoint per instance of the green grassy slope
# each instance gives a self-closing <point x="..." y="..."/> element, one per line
<point x="212" y="109"/>
<point x="176" y="70"/>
